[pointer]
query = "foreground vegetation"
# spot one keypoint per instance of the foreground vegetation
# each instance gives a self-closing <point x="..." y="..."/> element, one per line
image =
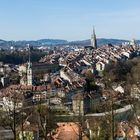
<point x="20" y="57"/>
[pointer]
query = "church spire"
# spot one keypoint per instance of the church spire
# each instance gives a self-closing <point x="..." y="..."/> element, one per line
<point x="93" y="39"/>
<point x="93" y="30"/>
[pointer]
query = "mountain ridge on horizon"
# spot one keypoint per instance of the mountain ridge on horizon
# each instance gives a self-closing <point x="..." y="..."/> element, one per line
<point x="55" y="42"/>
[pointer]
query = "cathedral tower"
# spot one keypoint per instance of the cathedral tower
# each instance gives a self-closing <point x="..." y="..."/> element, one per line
<point x="93" y="40"/>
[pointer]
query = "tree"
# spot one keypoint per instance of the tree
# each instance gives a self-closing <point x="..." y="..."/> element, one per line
<point x="10" y="115"/>
<point x="46" y="120"/>
<point x="90" y="82"/>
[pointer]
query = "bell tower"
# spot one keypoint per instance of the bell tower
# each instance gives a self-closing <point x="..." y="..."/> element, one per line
<point x="29" y="69"/>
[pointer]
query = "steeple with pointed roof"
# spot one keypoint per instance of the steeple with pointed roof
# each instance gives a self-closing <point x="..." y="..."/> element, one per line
<point x="93" y="39"/>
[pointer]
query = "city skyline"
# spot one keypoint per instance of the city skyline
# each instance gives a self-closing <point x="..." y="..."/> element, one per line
<point x="70" y="20"/>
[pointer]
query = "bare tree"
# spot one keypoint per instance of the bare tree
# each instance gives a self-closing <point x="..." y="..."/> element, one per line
<point x="10" y="115"/>
<point x="46" y="120"/>
<point x="14" y="113"/>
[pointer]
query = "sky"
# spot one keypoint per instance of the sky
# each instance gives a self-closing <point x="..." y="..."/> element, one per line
<point x="69" y="19"/>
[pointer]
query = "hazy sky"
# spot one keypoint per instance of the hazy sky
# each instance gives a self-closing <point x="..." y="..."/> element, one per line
<point x="69" y="19"/>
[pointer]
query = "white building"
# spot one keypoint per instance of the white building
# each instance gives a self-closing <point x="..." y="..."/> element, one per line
<point x="100" y="66"/>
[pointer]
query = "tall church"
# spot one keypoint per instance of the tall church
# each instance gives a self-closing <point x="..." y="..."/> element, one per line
<point x="29" y="71"/>
<point x="93" y="40"/>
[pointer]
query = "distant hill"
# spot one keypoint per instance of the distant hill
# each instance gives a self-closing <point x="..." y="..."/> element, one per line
<point x="52" y="41"/>
<point x="41" y="42"/>
<point x="101" y="41"/>
<point x="58" y="42"/>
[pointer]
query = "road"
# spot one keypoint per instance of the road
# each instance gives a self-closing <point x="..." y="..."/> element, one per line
<point x="121" y="110"/>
